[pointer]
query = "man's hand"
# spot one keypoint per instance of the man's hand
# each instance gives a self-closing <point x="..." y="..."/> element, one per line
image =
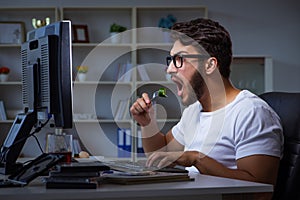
<point x="141" y="110"/>
<point x="183" y="158"/>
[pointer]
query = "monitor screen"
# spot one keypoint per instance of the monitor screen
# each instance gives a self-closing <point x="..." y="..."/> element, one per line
<point x="46" y="88"/>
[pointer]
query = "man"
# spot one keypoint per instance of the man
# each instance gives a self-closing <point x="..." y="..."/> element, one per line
<point x="224" y="131"/>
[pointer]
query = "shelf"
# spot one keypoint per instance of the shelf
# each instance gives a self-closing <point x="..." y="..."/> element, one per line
<point x="102" y="44"/>
<point x="10" y="46"/>
<point x="102" y="93"/>
<point x="143" y="45"/>
<point x="10" y="83"/>
<point x="254" y="73"/>
<point x="98" y="20"/>
<point x="26" y="14"/>
<point x="108" y="121"/>
<point x="168" y="45"/>
<point x="10" y="121"/>
<point x="93" y="83"/>
<point x="155" y="82"/>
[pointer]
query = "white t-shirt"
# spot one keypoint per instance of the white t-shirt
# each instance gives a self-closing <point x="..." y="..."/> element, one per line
<point x="246" y="126"/>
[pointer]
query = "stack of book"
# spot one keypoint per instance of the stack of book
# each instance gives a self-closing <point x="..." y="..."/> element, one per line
<point x="75" y="175"/>
<point x="143" y="178"/>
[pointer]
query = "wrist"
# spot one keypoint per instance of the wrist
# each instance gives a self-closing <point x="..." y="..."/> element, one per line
<point x="198" y="162"/>
<point x="150" y="129"/>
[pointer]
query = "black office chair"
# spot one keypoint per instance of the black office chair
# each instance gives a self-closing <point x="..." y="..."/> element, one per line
<point x="287" y="106"/>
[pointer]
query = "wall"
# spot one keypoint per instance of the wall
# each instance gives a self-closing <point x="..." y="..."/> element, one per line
<point x="258" y="27"/>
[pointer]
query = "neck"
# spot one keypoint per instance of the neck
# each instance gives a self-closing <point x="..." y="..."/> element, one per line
<point x="216" y="97"/>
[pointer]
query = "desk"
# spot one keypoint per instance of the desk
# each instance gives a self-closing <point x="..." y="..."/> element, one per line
<point x="204" y="187"/>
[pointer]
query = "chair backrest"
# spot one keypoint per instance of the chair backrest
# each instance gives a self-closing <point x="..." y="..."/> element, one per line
<point x="287" y="106"/>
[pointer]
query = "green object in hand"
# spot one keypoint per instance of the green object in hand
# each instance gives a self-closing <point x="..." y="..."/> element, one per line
<point x="162" y="92"/>
<point x="159" y="93"/>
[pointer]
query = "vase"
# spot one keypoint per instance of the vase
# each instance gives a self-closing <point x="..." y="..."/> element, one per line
<point x="115" y="37"/>
<point x="81" y="77"/>
<point x="3" y="77"/>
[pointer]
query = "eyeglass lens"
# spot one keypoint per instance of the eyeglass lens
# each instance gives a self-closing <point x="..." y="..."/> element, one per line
<point x="177" y="60"/>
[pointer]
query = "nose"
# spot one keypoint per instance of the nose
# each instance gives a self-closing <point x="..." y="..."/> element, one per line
<point x="171" y="68"/>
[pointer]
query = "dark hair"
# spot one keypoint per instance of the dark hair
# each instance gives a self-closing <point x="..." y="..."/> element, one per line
<point x="211" y="36"/>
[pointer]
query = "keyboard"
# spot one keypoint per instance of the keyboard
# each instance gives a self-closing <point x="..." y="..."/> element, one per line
<point x="139" y="166"/>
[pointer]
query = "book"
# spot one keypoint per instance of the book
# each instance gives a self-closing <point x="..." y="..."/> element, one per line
<point x="123" y="72"/>
<point x="125" y="178"/>
<point x="2" y="111"/>
<point x="70" y="183"/>
<point x="74" y="174"/>
<point x="122" y="111"/>
<point x="126" y="76"/>
<point x="143" y="73"/>
<point x="121" y="142"/>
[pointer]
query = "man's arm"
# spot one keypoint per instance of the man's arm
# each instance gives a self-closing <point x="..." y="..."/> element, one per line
<point x="159" y="142"/>
<point x="258" y="168"/>
<point x="153" y="140"/>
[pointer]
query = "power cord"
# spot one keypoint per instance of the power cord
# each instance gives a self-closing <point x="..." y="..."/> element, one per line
<point x="36" y="130"/>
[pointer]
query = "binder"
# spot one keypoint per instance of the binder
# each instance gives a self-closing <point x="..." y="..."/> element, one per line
<point x="124" y="143"/>
<point x="121" y="143"/>
<point x="127" y="147"/>
<point x="140" y="149"/>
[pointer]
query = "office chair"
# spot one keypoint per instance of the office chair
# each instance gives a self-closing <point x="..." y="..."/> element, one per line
<point x="287" y="106"/>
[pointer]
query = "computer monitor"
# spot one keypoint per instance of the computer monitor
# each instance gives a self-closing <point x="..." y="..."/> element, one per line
<point x="46" y="88"/>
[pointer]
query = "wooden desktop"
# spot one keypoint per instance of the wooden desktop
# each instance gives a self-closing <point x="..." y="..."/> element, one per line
<point x="203" y="187"/>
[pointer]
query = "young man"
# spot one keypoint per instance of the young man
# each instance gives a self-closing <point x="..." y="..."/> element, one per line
<point x="224" y="131"/>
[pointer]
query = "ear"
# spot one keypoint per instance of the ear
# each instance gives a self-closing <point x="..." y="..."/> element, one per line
<point x="211" y="65"/>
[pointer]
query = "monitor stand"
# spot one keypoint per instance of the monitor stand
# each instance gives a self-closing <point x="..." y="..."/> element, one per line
<point x="15" y="141"/>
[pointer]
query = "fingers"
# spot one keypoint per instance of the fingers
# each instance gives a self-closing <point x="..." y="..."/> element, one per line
<point x="146" y="98"/>
<point x="141" y="105"/>
<point x="159" y="159"/>
<point x="163" y="159"/>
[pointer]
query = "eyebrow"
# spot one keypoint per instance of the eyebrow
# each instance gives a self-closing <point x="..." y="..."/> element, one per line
<point x="180" y="52"/>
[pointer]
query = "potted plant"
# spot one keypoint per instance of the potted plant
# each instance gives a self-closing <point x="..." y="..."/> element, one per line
<point x="4" y="71"/>
<point x="114" y="30"/>
<point x="81" y="73"/>
<point x="166" y="23"/>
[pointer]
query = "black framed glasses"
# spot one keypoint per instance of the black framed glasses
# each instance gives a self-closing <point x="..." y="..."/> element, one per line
<point x="178" y="58"/>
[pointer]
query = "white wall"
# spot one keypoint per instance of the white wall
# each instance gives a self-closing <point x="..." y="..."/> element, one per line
<point x="257" y="27"/>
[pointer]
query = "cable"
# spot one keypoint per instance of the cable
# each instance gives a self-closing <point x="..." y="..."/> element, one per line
<point x="38" y="143"/>
<point x="36" y="130"/>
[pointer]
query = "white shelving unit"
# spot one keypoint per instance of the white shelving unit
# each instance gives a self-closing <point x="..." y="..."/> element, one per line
<point x="10" y="53"/>
<point x="141" y="45"/>
<point x="97" y="100"/>
<point x="11" y="91"/>
<point x="254" y="73"/>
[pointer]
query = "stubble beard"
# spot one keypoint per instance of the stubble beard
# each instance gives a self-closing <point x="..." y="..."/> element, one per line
<point x="195" y="89"/>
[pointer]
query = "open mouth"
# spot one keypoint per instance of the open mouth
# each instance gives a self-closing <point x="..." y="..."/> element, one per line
<point x="179" y="85"/>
